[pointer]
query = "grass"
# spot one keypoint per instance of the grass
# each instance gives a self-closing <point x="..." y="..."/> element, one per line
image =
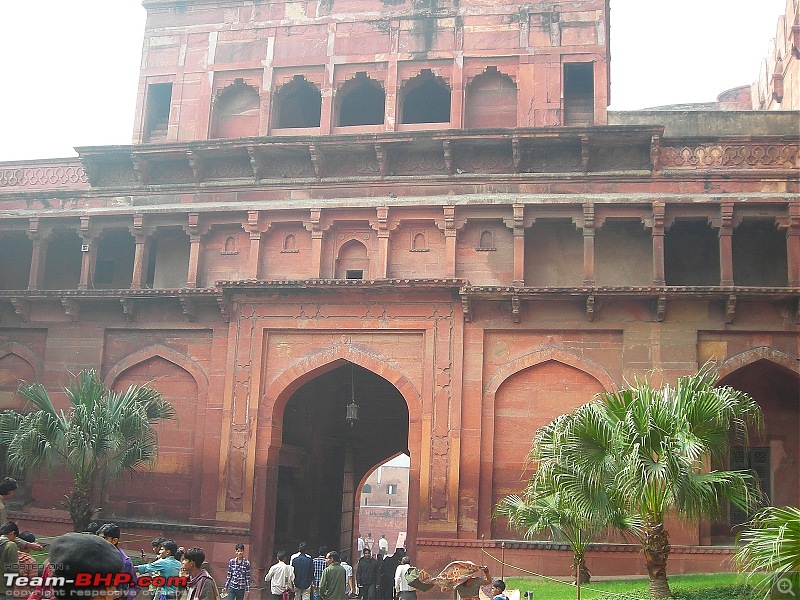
<point x="717" y="586"/>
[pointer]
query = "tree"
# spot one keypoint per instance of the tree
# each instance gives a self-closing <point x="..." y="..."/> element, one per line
<point x="574" y="508"/>
<point x="771" y="544"/>
<point x="103" y="435"/>
<point x="659" y="443"/>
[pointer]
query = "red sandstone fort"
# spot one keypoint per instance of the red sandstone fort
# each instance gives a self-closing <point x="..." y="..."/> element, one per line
<point x="421" y="208"/>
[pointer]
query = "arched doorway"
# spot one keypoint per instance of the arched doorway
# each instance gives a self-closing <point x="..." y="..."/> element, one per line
<point x="324" y="457"/>
<point x="773" y="456"/>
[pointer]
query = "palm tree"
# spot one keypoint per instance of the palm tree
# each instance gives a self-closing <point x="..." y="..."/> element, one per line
<point x="574" y="508"/>
<point x="771" y="544"/>
<point x="103" y="434"/>
<point x="660" y="441"/>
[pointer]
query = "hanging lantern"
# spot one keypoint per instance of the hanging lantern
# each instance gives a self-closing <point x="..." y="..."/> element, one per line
<point x="352" y="408"/>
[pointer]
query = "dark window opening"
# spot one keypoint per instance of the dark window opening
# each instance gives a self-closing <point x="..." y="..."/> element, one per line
<point x="16" y="250"/>
<point x="151" y="263"/>
<point x="578" y="94"/>
<point x="759" y="254"/>
<point x="425" y="99"/>
<point x="354" y="274"/>
<point x="367" y="489"/>
<point x="159" y="98"/>
<point x="491" y="101"/>
<point x="391" y="488"/>
<point x="113" y="267"/>
<point x="363" y="102"/>
<point x="104" y="272"/>
<point x="352" y="262"/>
<point x="298" y="104"/>
<point x="62" y="269"/>
<point x="691" y="254"/>
<point x="757" y="461"/>
<point x="486" y="241"/>
<point x="236" y="111"/>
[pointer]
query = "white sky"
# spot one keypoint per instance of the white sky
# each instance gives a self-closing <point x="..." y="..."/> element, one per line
<point x="70" y="67"/>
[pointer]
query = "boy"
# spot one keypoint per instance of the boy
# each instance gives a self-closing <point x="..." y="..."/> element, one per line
<point x="499" y="590"/>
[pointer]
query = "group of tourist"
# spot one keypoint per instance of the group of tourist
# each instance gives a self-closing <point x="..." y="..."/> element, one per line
<point x="329" y="577"/>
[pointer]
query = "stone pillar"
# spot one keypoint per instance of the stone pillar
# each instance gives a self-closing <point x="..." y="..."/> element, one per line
<point x="726" y="244"/>
<point x="382" y="270"/>
<point x="139" y="277"/>
<point x="793" y="243"/>
<point x="314" y="226"/>
<point x="194" y="249"/>
<point x="254" y="259"/>
<point x="88" y="256"/>
<point x="450" y="238"/>
<point x="36" y="276"/>
<point x="517" y="225"/>
<point x="588" y="244"/>
<point x="658" y="243"/>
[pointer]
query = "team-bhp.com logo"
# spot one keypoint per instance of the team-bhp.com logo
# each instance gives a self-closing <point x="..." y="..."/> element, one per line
<point x="96" y="580"/>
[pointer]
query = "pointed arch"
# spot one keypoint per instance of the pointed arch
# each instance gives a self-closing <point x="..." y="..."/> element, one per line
<point x="167" y="354"/>
<point x="280" y="389"/>
<point x="541" y="356"/>
<point x="748" y="357"/>
<point x="26" y="354"/>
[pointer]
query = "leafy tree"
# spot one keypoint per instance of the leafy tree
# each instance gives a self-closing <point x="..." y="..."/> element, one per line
<point x="102" y="435"/>
<point x="574" y="508"/>
<point x="771" y="544"/>
<point x="659" y="442"/>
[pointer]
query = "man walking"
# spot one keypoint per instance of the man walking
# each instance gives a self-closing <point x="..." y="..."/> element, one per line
<point x="332" y="583"/>
<point x="110" y="532"/>
<point x="280" y="576"/>
<point x="303" y="566"/>
<point x="320" y="563"/>
<point x="238" y="580"/>
<point x="367" y="575"/>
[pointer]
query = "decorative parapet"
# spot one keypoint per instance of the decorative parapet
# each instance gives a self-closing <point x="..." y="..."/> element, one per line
<point x="42" y="175"/>
<point x="744" y="155"/>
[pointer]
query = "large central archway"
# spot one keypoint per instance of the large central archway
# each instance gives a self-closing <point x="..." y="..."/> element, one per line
<point x="324" y="457"/>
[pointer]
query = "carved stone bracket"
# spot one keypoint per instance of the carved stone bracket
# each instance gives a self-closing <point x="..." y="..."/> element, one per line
<point x="189" y="306"/>
<point x="516" y="153"/>
<point x="380" y="154"/>
<point x="198" y="165"/>
<point x="141" y="167"/>
<point x="225" y="308"/>
<point x="591" y="308"/>
<point x="448" y="156"/>
<point x="256" y="162"/>
<point x="660" y="308"/>
<point x="317" y="160"/>
<point x="22" y="307"/>
<point x="128" y="308"/>
<point x="515" y="304"/>
<point x="72" y="308"/>
<point x="655" y="153"/>
<point x="466" y="308"/>
<point x="730" y="308"/>
<point x="585" y="152"/>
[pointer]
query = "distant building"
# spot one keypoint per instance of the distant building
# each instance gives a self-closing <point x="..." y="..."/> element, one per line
<point x="384" y="505"/>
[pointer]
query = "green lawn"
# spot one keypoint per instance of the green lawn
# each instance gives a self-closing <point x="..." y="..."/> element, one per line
<point x="718" y="586"/>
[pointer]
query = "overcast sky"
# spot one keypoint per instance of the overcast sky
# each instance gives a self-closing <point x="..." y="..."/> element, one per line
<point x="70" y="67"/>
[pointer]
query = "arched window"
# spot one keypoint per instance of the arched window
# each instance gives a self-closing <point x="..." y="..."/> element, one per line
<point x="361" y="101"/>
<point x="425" y="99"/>
<point x="236" y="111"/>
<point x="486" y="241"/>
<point x="491" y="101"/>
<point x="230" y="245"/>
<point x="297" y="104"/>
<point x="289" y="243"/>
<point x="367" y="489"/>
<point x="419" y="243"/>
<point x="352" y="262"/>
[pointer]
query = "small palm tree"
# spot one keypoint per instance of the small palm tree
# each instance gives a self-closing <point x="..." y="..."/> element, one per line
<point x="660" y="441"/>
<point x="574" y="508"/>
<point x="104" y="434"/>
<point x="771" y="544"/>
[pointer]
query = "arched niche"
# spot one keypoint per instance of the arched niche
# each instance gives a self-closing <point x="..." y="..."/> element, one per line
<point x="297" y="104"/>
<point x="491" y="101"/>
<point x="236" y="111"/>
<point x="425" y="99"/>
<point x="360" y="101"/>
<point x="352" y="261"/>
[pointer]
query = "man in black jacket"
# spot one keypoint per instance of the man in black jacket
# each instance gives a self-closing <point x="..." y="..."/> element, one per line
<point x="367" y="575"/>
